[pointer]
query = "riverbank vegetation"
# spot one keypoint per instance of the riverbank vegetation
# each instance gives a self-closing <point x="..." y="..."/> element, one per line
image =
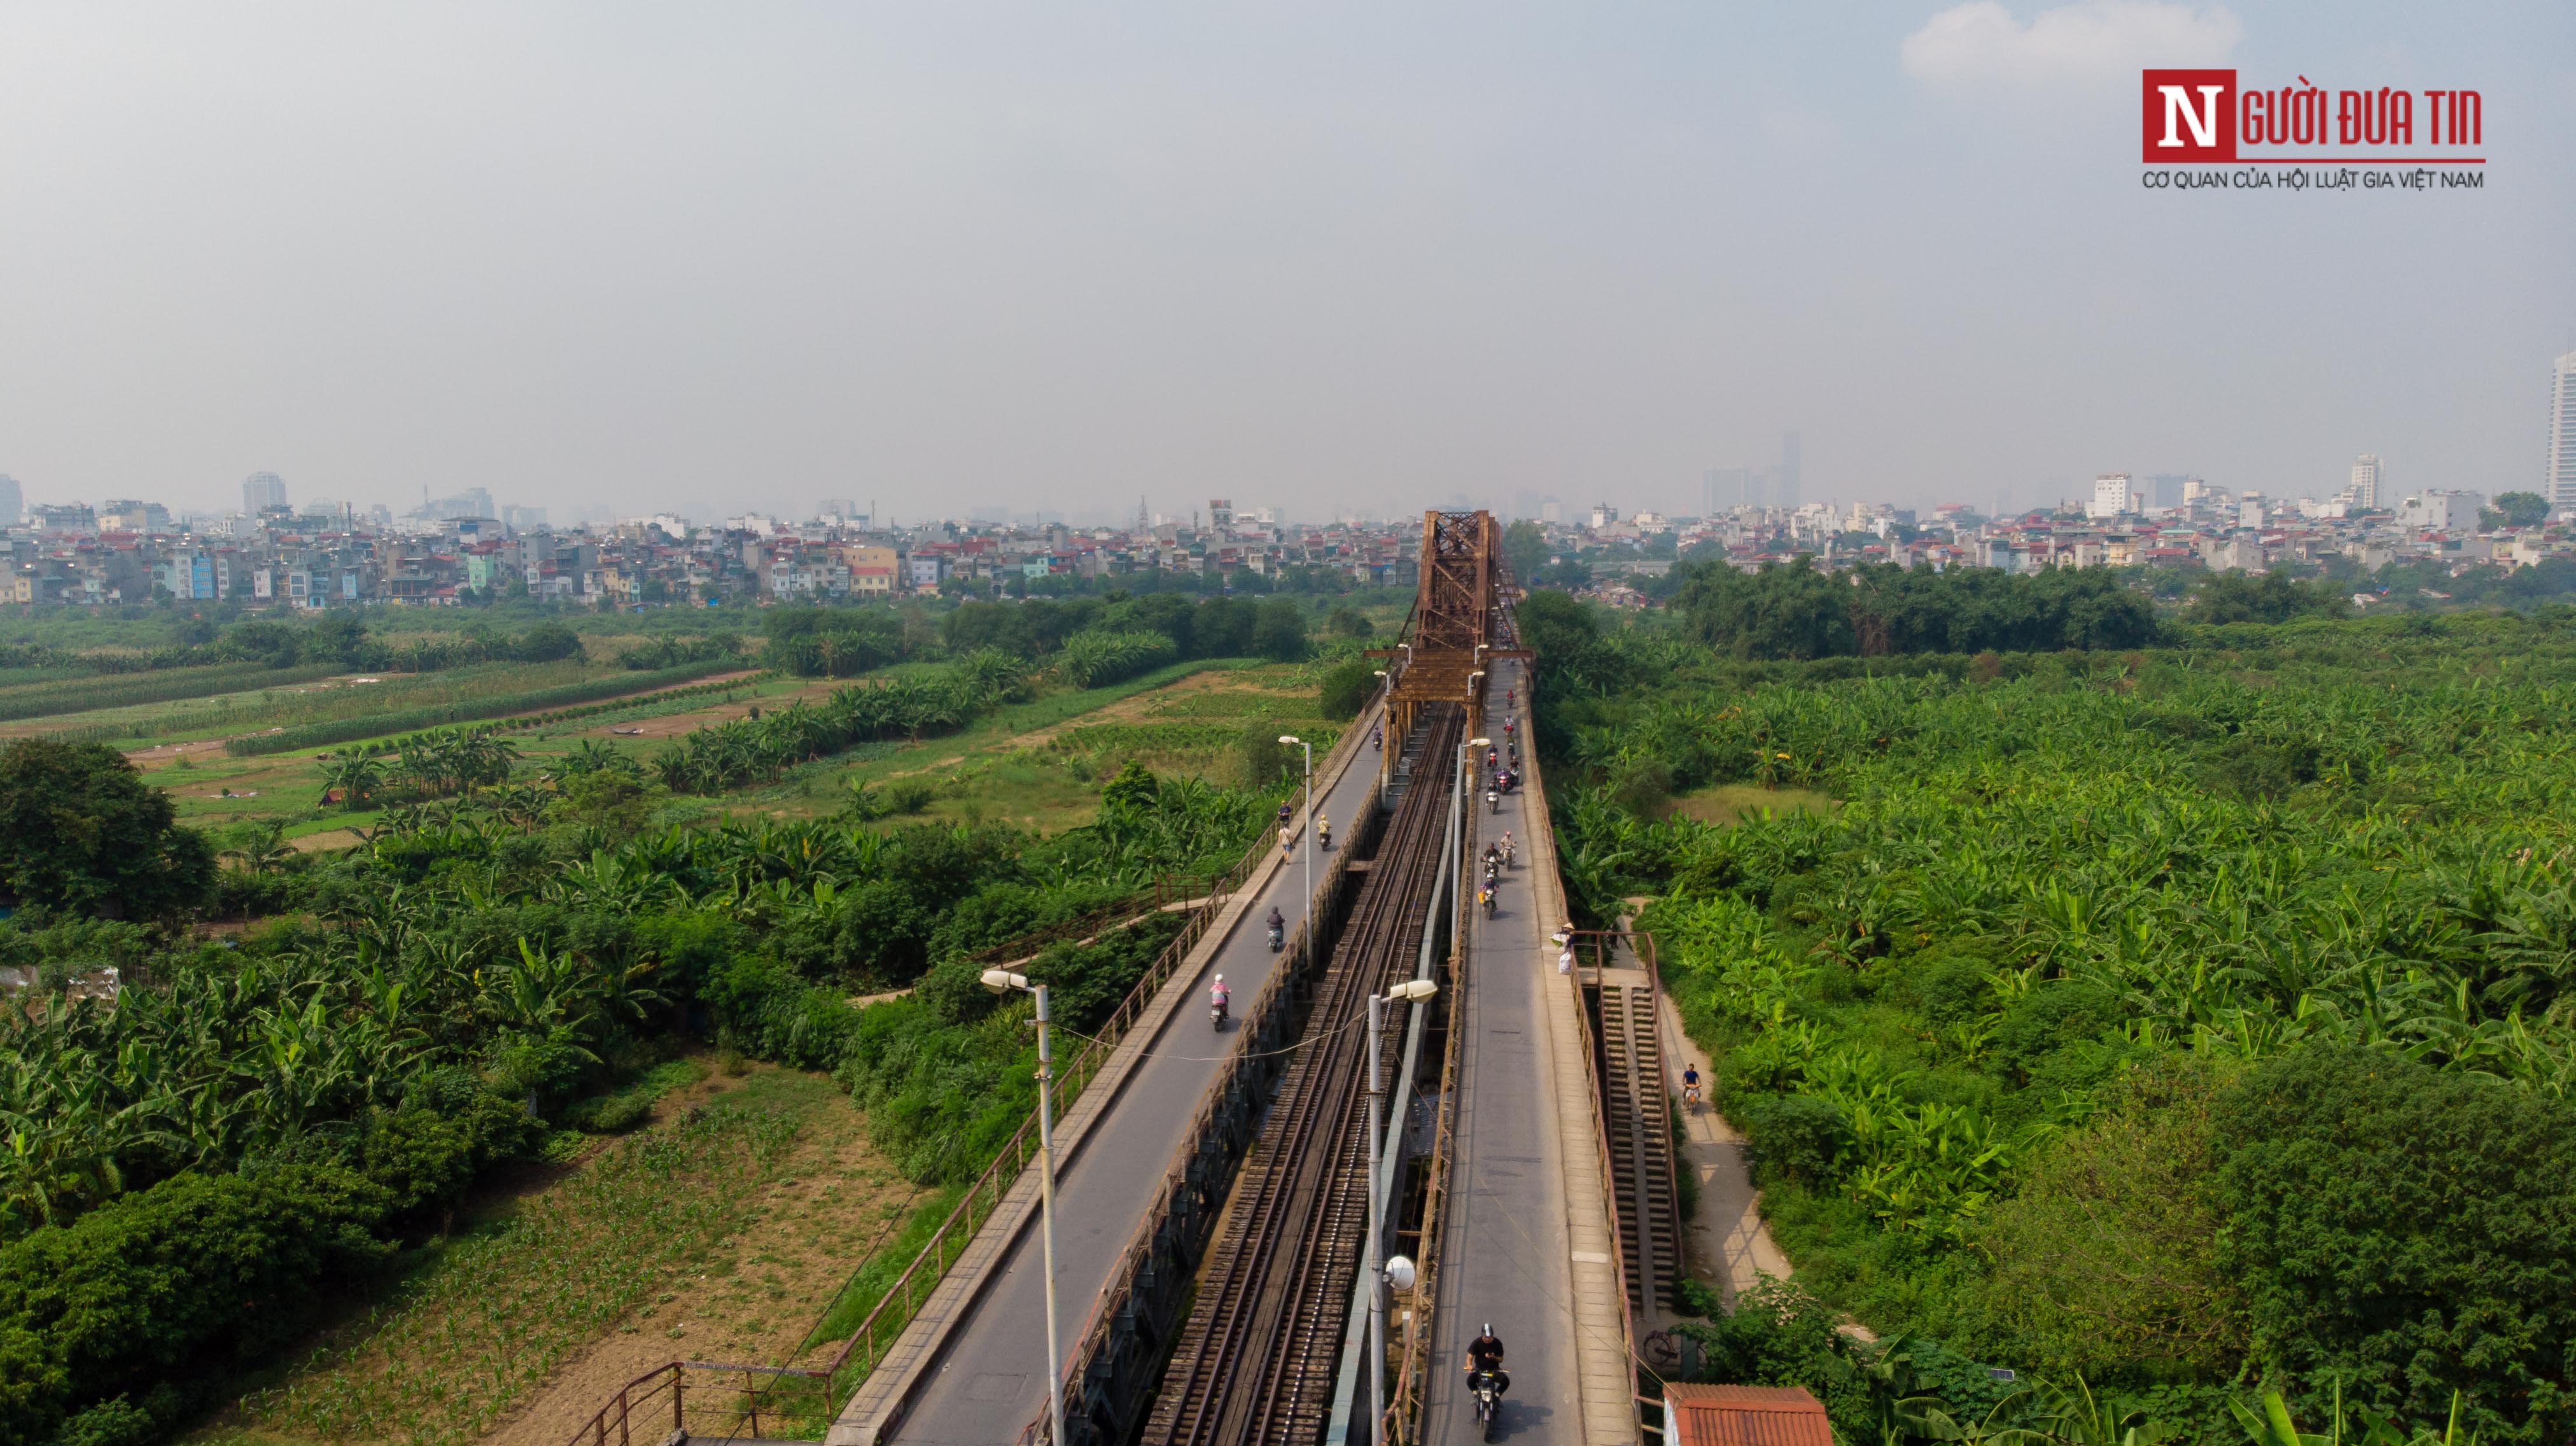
<point x="220" y="1141"/>
<point x="2189" y="1019"/>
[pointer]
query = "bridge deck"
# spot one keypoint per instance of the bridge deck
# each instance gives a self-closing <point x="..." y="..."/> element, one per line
<point x="1527" y="1244"/>
<point x="972" y="1366"/>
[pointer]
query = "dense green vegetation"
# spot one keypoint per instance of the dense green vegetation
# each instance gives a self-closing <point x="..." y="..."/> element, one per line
<point x="81" y="831"/>
<point x="1217" y="627"/>
<point x="726" y="755"/>
<point x="338" y="640"/>
<point x="1877" y="609"/>
<point x="2184" y="1021"/>
<point x="254" y="1126"/>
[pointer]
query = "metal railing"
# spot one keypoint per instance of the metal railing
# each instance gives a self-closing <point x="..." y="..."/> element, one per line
<point x="704" y="1399"/>
<point x="1543" y="846"/>
<point x="1403" y="1420"/>
<point x="1196" y="890"/>
<point x="885" y="1321"/>
<point x="1194" y="1185"/>
<point x="1601" y="1152"/>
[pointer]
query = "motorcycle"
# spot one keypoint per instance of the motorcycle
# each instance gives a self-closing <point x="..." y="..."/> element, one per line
<point x="1493" y="801"/>
<point x="1278" y="937"/>
<point x="1488" y="900"/>
<point x="1216" y="1015"/>
<point x="1489" y="1387"/>
<point x="1323" y="836"/>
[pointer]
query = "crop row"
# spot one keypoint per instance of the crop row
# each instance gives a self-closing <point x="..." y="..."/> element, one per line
<point x="646" y="702"/>
<point x="317" y="735"/>
<point x="85" y="695"/>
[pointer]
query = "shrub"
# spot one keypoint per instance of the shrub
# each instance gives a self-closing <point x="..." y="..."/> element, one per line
<point x="1346" y="689"/>
<point x="2408" y="1233"/>
<point x="144" y="1287"/>
<point x="2107" y="1258"/>
<point x="1095" y="659"/>
<point x="1797" y="1137"/>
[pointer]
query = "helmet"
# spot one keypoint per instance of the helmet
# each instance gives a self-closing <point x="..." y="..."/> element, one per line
<point x="1489" y="1327"/>
<point x="1220" y="979"/>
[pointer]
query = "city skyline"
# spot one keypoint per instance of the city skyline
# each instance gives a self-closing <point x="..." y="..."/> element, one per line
<point x="1024" y="262"/>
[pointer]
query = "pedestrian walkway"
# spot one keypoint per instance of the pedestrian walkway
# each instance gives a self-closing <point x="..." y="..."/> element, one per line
<point x="972" y="1367"/>
<point x="1730" y="1245"/>
<point x="1526" y="1245"/>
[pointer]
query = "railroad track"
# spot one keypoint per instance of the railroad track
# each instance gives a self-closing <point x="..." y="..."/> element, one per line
<point x="1257" y="1359"/>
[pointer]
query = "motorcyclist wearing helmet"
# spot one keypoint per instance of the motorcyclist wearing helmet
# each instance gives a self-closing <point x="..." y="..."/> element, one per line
<point x="1219" y="994"/>
<point x="1278" y="922"/>
<point x="1485" y="1353"/>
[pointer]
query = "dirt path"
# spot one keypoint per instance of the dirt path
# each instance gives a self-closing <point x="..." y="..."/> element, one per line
<point x="1730" y="1245"/>
<point x="759" y="1293"/>
<point x="671" y="725"/>
<point x="166" y="754"/>
<point x="1134" y="708"/>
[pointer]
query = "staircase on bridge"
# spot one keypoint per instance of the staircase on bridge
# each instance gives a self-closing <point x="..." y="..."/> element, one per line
<point x="1637" y="1121"/>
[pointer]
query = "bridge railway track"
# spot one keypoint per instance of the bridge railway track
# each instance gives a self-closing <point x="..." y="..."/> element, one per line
<point x="1257" y="1359"/>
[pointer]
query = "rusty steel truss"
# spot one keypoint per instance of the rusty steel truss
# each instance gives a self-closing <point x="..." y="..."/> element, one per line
<point x="1459" y="622"/>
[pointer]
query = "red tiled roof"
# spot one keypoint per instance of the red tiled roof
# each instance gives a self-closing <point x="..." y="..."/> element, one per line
<point x="1743" y="1416"/>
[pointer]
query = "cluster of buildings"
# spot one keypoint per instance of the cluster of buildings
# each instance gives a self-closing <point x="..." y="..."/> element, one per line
<point x="463" y="549"/>
<point x="2128" y="521"/>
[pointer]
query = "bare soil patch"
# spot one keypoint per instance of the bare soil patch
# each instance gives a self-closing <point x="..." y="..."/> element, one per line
<point x="762" y="1291"/>
<point x="148" y="759"/>
<point x="671" y="725"/>
<point x="1135" y="708"/>
<point x="1734" y="802"/>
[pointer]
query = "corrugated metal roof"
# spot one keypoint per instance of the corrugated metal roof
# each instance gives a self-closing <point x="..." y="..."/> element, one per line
<point x="1743" y="1416"/>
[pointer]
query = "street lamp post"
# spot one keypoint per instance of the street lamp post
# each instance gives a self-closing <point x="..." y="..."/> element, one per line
<point x="1385" y="715"/>
<point x="1002" y="981"/>
<point x="1411" y="989"/>
<point x="1466" y="769"/>
<point x="1309" y="849"/>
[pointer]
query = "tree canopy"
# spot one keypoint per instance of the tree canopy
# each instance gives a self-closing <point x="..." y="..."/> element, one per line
<point x="80" y="830"/>
<point x="2521" y="509"/>
<point x="1798" y="612"/>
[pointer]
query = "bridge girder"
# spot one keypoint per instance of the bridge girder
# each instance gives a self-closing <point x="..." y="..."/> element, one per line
<point x="1461" y="620"/>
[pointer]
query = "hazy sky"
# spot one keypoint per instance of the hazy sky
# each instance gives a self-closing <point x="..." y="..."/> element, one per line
<point x="1313" y="256"/>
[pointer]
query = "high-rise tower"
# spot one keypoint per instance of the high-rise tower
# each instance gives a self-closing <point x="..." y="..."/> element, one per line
<point x="2560" y="489"/>
<point x="262" y="490"/>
